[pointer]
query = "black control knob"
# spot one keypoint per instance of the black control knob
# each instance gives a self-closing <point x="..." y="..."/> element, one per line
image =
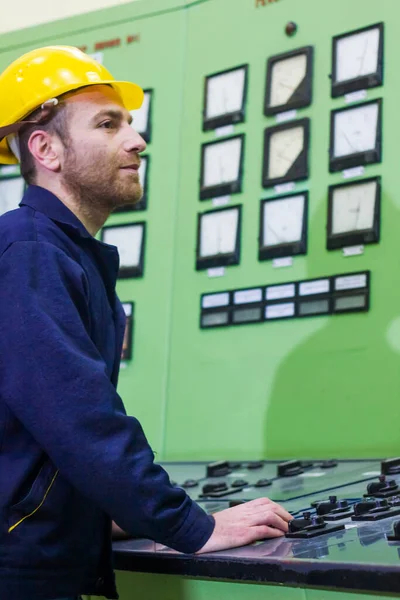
<point x="262" y="483"/>
<point x="363" y="507"/>
<point x="238" y="483"/>
<point x="323" y="508"/>
<point x="382" y="488"/>
<point x="380" y="506"/>
<point x="255" y="464"/>
<point x="299" y="524"/>
<point x="391" y="466"/>
<point x="219" y="468"/>
<point x="328" y="464"/>
<point x="218" y="486"/>
<point x="190" y="483"/>
<point x="289" y="468"/>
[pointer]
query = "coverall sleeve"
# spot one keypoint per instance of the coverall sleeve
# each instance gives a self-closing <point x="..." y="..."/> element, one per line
<point x="54" y="380"/>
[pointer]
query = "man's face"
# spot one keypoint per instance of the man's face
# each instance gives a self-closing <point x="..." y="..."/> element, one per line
<point x="101" y="158"/>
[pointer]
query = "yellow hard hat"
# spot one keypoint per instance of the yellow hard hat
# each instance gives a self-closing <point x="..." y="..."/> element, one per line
<point x="46" y="73"/>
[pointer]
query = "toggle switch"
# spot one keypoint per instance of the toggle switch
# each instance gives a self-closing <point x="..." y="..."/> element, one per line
<point x="374" y="510"/>
<point x="382" y="488"/>
<point x="218" y="486"/>
<point x="219" y="468"/>
<point x="310" y="526"/>
<point x="190" y="483"/>
<point x="326" y="507"/>
<point x="391" y="466"/>
<point x="289" y="468"/>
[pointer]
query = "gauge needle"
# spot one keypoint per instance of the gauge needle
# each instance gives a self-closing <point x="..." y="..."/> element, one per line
<point x="358" y="214"/>
<point x="348" y="141"/>
<point x="289" y="87"/>
<point x="278" y="238"/>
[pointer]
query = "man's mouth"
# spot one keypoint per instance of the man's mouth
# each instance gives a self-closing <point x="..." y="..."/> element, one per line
<point x="133" y="167"/>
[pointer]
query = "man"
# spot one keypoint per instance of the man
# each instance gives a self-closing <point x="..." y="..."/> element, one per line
<point x="71" y="459"/>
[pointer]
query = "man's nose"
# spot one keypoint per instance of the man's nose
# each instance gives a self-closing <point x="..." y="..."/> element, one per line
<point x="134" y="141"/>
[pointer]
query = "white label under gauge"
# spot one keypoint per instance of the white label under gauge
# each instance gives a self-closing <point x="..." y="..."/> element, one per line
<point x="216" y="272"/>
<point x="355" y="96"/>
<point x="279" y="263"/>
<point x="247" y="296"/>
<point x="282" y="188"/>
<point x="354" y="172"/>
<point x="286" y="116"/>
<point x="221" y="201"/>
<point x="308" y="288"/>
<point x="351" y="282"/>
<point x="277" y="292"/>
<point x="353" y="251"/>
<point x="222" y="131"/>
<point x="276" y="311"/>
<point x="212" y="300"/>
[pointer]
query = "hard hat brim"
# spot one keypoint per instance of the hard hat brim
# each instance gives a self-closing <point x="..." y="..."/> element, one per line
<point x="131" y="95"/>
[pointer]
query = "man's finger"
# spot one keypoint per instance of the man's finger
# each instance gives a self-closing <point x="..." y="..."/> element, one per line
<point x="263" y="532"/>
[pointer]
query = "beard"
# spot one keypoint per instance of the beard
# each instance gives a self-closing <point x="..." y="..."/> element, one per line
<point x="98" y="184"/>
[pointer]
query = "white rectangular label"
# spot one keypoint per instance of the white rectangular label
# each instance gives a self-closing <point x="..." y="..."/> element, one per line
<point x="312" y="474"/>
<point x="307" y="288"/>
<point x="286" y="116"/>
<point x="212" y="300"/>
<point x="277" y="292"/>
<point x="221" y="201"/>
<point x="216" y="272"/>
<point x="355" y="172"/>
<point x="355" y="96"/>
<point x="274" y="311"/>
<point x="353" y="251"/>
<point x="277" y="263"/>
<point x="283" y="188"/>
<point x="227" y="130"/>
<point x="246" y="296"/>
<point x="350" y="282"/>
<point x="11" y="170"/>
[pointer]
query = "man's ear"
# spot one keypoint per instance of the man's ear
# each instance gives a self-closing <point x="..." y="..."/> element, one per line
<point x="46" y="149"/>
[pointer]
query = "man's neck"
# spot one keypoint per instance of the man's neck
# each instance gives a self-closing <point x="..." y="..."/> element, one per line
<point x="91" y="216"/>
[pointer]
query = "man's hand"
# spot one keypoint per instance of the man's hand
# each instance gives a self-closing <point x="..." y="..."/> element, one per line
<point x="247" y="523"/>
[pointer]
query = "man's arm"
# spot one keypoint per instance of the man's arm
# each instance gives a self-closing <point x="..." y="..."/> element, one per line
<point x="56" y="383"/>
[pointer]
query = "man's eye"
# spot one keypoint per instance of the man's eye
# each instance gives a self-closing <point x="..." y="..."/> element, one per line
<point x="107" y="125"/>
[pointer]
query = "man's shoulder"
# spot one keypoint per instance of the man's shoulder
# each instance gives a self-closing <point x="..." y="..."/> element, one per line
<point x="25" y="225"/>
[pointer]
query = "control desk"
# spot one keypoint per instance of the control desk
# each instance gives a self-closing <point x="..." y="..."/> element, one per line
<point x="345" y="532"/>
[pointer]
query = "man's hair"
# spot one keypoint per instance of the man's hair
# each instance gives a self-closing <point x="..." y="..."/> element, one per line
<point x="56" y="124"/>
